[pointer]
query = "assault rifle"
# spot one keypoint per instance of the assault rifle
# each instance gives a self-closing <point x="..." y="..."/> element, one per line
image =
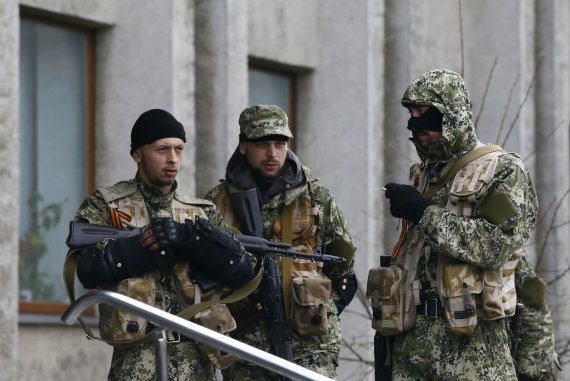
<point x="516" y="329"/>
<point x="382" y="344"/>
<point x="83" y="234"/>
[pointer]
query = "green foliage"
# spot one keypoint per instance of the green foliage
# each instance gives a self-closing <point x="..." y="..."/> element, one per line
<point x="32" y="249"/>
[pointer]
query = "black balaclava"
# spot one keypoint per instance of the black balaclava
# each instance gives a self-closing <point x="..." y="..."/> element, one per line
<point x="430" y="120"/>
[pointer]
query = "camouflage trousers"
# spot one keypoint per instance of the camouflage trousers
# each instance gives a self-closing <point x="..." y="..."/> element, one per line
<point x="185" y="362"/>
<point x="317" y="353"/>
<point x="430" y="351"/>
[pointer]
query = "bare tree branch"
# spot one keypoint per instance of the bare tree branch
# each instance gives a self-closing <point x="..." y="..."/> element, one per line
<point x="506" y="110"/>
<point x="543" y="142"/>
<point x="559" y="276"/>
<point x="485" y="93"/>
<point x="550" y="229"/>
<point x="517" y="115"/>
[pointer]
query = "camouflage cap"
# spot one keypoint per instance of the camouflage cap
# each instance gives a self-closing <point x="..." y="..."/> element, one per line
<point x="263" y="120"/>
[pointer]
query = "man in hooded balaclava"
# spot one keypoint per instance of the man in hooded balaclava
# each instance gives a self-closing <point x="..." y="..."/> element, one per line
<point x="466" y="216"/>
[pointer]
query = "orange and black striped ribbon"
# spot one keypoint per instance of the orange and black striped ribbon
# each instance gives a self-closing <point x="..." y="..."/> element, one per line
<point x="117" y="217"/>
<point x="402" y="238"/>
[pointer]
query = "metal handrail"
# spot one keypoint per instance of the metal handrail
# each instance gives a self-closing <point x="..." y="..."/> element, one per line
<point x="192" y="330"/>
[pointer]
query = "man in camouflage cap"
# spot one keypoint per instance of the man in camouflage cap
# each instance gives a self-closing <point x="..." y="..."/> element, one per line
<point x="469" y="211"/>
<point x="137" y="268"/>
<point x="264" y="120"/>
<point x="284" y="187"/>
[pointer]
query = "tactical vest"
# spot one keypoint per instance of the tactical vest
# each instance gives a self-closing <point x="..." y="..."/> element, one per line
<point x="468" y="293"/>
<point x="306" y="290"/>
<point x="117" y="325"/>
<point x="492" y="292"/>
<point x="303" y="228"/>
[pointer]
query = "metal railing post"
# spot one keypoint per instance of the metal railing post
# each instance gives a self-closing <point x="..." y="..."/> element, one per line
<point x="161" y="357"/>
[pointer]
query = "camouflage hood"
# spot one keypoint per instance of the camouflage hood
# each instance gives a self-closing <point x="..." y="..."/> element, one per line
<point x="446" y="91"/>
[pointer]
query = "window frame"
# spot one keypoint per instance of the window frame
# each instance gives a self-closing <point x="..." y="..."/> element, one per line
<point x="49" y="307"/>
<point x="292" y="77"/>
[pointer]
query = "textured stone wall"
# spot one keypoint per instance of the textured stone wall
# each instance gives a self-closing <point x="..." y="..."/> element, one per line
<point x="9" y="188"/>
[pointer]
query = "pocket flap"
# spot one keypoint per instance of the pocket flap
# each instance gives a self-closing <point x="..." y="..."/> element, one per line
<point x="456" y="275"/>
<point x="311" y="291"/>
<point x="384" y="280"/>
<point x="217" y="318"/>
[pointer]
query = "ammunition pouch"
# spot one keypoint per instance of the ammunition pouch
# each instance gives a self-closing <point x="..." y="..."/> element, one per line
<point x="310" y="297"/>
<point x="499" y="297"/>
<point x="121" y="326"/>
<point x="217" y="318"/>
<point x="393" y="307"/>
<point x="458" y="285"/>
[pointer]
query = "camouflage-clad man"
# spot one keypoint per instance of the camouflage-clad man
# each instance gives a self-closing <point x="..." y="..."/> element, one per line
<point x="263" y="162"/>
<point x="155" y="267"/>
<point x="468" y="213"/>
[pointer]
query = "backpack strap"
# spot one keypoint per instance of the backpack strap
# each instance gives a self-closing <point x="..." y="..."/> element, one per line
<point x="459" y="164"/>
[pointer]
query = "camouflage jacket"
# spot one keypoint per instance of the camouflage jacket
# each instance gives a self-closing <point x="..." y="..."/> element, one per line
<point x="477" y="240"/>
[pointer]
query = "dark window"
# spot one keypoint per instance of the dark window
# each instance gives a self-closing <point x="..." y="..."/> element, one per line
<point x="277" y="87"/>
<point x="56" y="152"/>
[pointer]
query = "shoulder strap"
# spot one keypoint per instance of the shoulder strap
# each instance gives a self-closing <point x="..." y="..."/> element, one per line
<point x="287" y="268"/>
<point x="459" y="164"/>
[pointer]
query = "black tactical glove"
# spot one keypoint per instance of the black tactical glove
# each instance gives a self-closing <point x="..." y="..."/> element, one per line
<point x="171" y="234"/>
<point x="406" y="202"/>
<point x="123" y="258"/>
<point x="205" y="246"/>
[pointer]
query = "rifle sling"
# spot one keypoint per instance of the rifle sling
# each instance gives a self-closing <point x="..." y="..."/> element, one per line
<point x="286" y="262"/>
<point x="459" y="164"/>
<point x="70" y="267"/>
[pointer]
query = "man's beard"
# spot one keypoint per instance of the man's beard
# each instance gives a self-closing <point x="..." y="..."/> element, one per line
<point x="259" y="174"/>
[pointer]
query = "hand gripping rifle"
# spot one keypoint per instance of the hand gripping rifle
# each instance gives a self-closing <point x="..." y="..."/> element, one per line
<point x="83" y="234"/>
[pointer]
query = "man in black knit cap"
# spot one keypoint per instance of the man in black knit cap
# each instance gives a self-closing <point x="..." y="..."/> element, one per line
<point x="155" y="268"/>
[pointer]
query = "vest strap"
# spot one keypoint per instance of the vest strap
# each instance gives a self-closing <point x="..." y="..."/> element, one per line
<point x="459" y="164"/>
<point x="286" y="262"/>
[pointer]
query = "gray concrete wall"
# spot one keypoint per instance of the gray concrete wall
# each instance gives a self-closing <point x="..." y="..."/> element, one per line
<point x="60" y="353"/>
<point x="145" y="60"/>
<point x="9" y="188"/>
<point x="552" y="104"/>
<point x="339" y="129"/>
<point x="221" y="82"/>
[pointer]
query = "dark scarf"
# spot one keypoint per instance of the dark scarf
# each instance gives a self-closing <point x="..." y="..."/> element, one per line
<point x="240" y="175"/>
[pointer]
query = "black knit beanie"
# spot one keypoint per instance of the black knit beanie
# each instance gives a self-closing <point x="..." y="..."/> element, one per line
<point x="153" y="125"/>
